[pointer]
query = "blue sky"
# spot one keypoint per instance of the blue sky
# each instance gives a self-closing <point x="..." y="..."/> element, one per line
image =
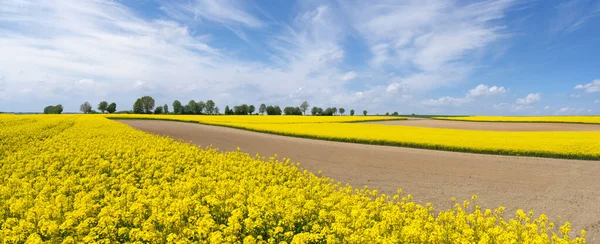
<point x="496" y="57"/>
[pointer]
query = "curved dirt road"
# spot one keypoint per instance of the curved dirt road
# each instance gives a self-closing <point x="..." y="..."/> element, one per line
<point x="556" y="187"/>
<point x="491" y="126"/>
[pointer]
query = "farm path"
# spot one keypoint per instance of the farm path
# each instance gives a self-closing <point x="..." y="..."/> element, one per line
<point x="490" y="126"/>
<point x="555" y="187"/>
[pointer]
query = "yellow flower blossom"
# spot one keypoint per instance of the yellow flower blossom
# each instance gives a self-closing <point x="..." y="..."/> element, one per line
<point x="87" y="179"/>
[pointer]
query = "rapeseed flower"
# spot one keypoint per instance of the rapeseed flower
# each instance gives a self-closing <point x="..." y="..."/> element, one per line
<point x="86" y="179"/>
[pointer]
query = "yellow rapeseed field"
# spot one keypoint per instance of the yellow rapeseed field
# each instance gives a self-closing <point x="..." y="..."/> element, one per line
<point x="574" y="145"/>
<point x="533" y="119"/>
<point x="86" y="179"/>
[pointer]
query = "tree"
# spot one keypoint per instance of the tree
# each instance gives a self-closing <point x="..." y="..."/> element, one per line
<point x="53" y="109"/>
<point x="351" y="112"/>
<point x="217" y="110"/>
<point x="251" y="109"/>
<point x="138" y="106"/>
<point x="210" y="107"/>
<point x="277" y="110"/>
<point x="177" y="108"/>
<point x="387" y="113"/>
<point x="315" y="111"/>
<point x="304" y="107"/>
<point x="237" y="110"/>
<point x="158" y="110"/>
<point x="342" y="111"/>
<point x="262" y="109"/>
<point x="186" y="110"/>
<point x="273" y="110"/>
<point x="328" y="112"/>
<point x="241" y="109"/>
<point x="365" y="112"/>
<point x="58" y="109"/>
<point x="111" y="108"/>
<point x="85" y="108"/>
<point x="193" y="106"/>
<point x="166" y="109"/>
<point x="200" y="106"/>
<point x="334" y="109"/>
<point x="102" y="106"/>
<point x="244" y="109"/>
<point x="395" y="114"/>
<point x="227" y="111"/>
<point x="270" y="110"/>
<point x="292" y="111"/>
<point x="147" y="104"/>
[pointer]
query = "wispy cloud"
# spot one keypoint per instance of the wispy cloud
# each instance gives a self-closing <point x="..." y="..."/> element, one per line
<point x="477" y="93"/>
<point x="572" y="15"/>
<point x="483" y="90"/>
<point x="55" y="47"/>
<point x="348" y="76"/>
<point x="572" y="111"/>
<point x="428" y="40"/>
<point x="227" y="12"/>
<point x="591" y="87"/>
<point x="87" y="50"/>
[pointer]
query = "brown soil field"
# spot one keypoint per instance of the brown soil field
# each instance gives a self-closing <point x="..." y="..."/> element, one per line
<point x="491" y="126"/>
<point x="555" y="187"/>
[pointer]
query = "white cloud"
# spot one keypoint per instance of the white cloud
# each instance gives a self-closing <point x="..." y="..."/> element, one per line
<point x="229" y="12"/>
<point x="501" y="105"/>
<point x="575" y="96"/>
<point x="530" y="99"/>
<point x="394" y="88"/>
<point x="51" y="47"/>
<point x="348" y="76"/>
<point x="435" y="37"/>
<point x="483" y="90"/>
<point x="478" y="92"/>
<point x="572" y="111"/>
<point x="48" y="48"/>
<point x="445" y="101"/>
<point x="572" y="15"/>
<point x="591" y="87"/>
<point x="547" y="107"/>
<point x="87" y="83"/>
<point x="597" y="101"/>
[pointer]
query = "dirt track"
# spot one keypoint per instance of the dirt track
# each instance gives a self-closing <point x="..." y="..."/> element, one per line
<point x="493" y="126"/>
<point x="569" y="188"/>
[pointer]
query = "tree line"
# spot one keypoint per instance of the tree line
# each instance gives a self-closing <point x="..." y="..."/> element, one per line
<point x="209" y="107"/>
<point x="245" y="109"/>
<point x="103" y="106"/>
<point x="146" y="105"/>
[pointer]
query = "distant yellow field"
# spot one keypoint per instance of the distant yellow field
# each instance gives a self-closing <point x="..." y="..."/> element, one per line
<point x="576" y="145"/>
<point x="256" y="119"/>
<point x="534" y="119"/>
<point x="584" y="145"/>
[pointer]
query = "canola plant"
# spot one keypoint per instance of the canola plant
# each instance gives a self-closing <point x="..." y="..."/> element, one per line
<point x="87" y="179"/>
